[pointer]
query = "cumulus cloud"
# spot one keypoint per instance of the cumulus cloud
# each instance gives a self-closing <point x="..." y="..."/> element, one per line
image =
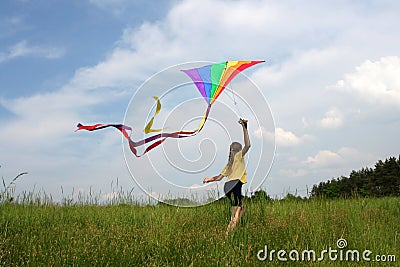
<point x="344" y="156"/>
<point x="375" y="82"/>
<point x="333" y="119"/>
<point x="48" y="115"/>
<point x="325" y="158"/>
<point x="280" y="136"/>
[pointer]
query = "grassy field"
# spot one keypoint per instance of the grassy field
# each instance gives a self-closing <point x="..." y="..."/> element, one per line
<point x="161" y="235"/>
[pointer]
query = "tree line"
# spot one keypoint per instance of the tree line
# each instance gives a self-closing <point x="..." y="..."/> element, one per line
<point x="381" y="180"/>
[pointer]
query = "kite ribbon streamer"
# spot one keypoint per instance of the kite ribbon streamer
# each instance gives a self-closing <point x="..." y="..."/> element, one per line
<point x="158" y="139"/>
<point x="148" y="129"/>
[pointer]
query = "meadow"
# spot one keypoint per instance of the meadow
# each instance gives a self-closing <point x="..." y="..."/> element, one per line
<point x="39" y="233"/>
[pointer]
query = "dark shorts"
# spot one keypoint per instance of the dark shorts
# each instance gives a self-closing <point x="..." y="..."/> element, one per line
<point x="233" y="190"/>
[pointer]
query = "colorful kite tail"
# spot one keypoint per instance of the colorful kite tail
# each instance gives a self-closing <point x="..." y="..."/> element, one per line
<point x="158" y="139"/>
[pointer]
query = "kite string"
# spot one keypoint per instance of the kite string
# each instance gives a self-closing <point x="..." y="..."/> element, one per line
<point x="235" y="103"/>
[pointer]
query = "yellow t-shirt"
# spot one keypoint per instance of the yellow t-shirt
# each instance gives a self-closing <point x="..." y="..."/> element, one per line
<point x="238" y="170"/>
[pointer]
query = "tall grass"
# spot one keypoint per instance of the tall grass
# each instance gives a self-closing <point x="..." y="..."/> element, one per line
<point x="7" y="193"/>
<point x="123" y="233"/>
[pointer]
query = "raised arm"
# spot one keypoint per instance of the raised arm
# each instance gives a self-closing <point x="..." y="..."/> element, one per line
<point x="245" y="136"/>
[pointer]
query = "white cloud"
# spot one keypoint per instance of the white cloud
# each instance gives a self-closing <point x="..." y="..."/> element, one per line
<point x="286" y="138"/>
<point x="375" y="82"/>
<point x="280" y="136"/>
<point x="345" y="156"/>
<point x="22" y="49"/>
<point x="333" y="119"/>
<point x="47" y="115"/>
<point x="325" y="158"/>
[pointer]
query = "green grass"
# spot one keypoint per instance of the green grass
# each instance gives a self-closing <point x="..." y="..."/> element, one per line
<point x="134" y="235"/>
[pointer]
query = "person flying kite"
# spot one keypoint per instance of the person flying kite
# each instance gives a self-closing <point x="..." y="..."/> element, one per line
<point x="235" y="170"/>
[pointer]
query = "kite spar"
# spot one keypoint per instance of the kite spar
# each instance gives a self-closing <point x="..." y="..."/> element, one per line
<point x="210" y="80"/>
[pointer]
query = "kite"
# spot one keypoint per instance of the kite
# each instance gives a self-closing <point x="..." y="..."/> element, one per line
<point x="210" y="80"/>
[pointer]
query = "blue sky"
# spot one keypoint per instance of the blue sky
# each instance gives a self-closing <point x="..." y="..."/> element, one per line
<point x="331" y="81"/>
<point x="61" y="37"/>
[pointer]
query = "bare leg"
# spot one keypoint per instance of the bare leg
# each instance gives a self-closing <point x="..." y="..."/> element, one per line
<point x="236" y="212"/>
<point x="242" y="211"/>
<point x="233" y="212"/>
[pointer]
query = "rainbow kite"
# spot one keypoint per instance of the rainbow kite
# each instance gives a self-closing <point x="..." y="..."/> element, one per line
<point x="210" y="80"/>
